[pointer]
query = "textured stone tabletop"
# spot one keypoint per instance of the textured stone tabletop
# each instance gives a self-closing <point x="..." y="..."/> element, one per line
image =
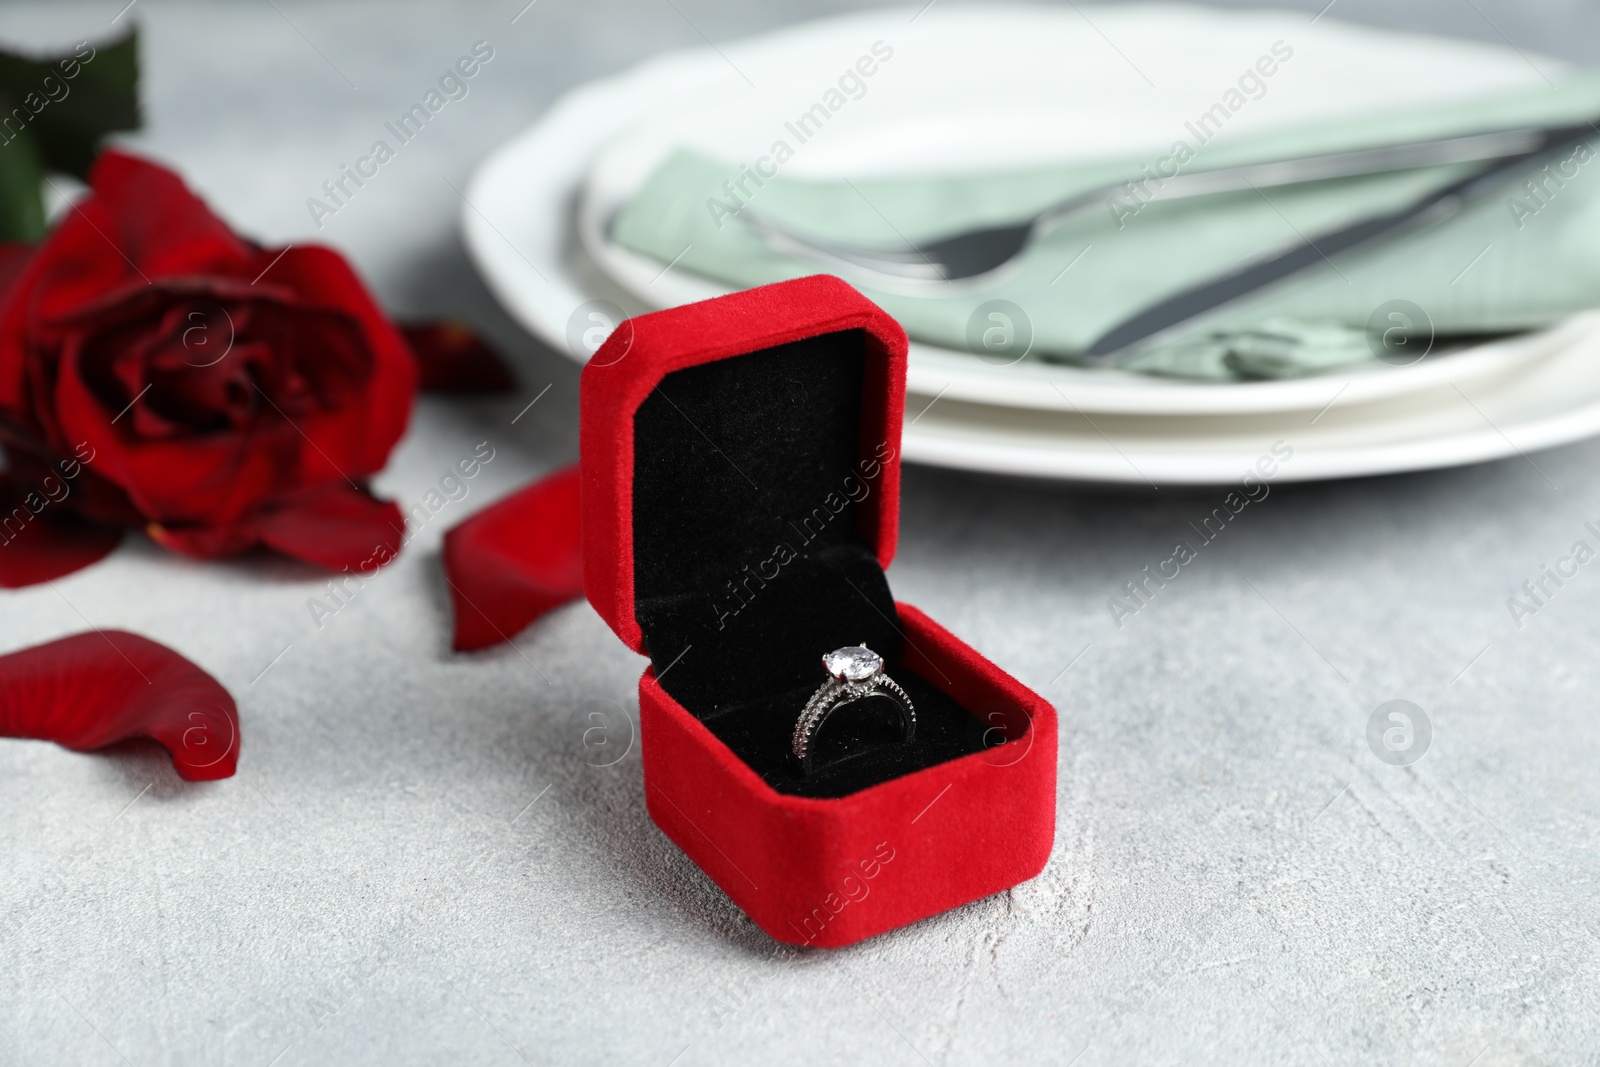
<point x="416" y="864"/>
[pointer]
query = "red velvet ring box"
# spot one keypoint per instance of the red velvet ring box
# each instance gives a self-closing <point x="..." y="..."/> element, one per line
<point x="740" y="496"/>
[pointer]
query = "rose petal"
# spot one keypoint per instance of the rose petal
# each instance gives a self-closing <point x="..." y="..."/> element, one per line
<point x="95" y="689"/>
<point x="156" y="221"/>
<point x="452" y="358"/>
<point x="339" y="528"/>
<point x="515" y="560"/>
<point x="56" y="541"/>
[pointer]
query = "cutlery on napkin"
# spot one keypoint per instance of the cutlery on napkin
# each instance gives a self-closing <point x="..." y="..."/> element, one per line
<point x="1516" y="259"/>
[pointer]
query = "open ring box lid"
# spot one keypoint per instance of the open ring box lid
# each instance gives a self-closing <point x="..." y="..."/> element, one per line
<point x="740" y="484"/>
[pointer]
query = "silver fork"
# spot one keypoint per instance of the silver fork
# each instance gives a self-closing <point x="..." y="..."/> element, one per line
<point x="973" y="254"/>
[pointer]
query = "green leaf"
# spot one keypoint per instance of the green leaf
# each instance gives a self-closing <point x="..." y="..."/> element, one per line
<point x="54" y="111"/>
<point x="69" y="102"/>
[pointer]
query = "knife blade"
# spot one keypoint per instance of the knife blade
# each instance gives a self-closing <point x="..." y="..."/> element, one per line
<point x="1430" y="209"/>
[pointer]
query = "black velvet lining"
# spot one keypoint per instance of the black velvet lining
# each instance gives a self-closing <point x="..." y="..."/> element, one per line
<point x="749" y="564"/>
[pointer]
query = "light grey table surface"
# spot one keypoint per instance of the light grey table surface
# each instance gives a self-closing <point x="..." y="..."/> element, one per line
<point x="414" y="863"/>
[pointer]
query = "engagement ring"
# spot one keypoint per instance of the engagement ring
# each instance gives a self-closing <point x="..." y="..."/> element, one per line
<point x="854" y="673"/>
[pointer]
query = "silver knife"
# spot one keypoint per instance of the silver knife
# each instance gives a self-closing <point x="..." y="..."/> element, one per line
<point x="1428" y="210"/>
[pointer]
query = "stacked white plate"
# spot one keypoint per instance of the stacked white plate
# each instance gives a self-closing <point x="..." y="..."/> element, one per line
<point x="1032" y="85"/>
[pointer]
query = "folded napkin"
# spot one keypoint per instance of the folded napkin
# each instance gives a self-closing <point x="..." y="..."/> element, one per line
<point x="1522" y="258"/>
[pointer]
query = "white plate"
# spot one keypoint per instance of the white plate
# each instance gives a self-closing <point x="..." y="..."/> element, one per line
<point x="1026" y="107"/>
<point x="519" y="228"/>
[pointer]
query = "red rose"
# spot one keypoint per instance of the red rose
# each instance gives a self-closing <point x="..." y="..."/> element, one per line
<point x="158" y="371"/>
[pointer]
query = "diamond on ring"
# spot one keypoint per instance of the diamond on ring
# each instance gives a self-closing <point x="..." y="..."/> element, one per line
<point x="854" y="663"/>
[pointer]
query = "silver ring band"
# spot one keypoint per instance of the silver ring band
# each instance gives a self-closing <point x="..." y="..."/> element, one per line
<point x="855" y="674"/>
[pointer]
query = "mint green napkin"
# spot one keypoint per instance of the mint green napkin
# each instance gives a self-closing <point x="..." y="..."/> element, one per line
<point x="1520" y="259"/>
